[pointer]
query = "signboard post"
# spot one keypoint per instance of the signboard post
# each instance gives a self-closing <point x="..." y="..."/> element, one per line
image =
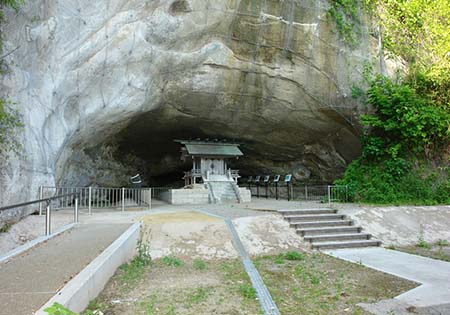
<point x="249" y="182"/>
<point x="276" y="179"/>
<point x="257" y="178"/>
<point x="266" y="183"/>
<point x="287" y="180"/>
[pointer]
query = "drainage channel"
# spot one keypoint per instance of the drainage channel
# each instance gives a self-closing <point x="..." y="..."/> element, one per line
<point x="265" y="299"/>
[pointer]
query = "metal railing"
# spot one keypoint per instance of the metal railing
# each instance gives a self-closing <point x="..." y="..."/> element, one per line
<point x="99" y="197"/>
<point x="322" y="193"/>
<point x="48" y="202"/>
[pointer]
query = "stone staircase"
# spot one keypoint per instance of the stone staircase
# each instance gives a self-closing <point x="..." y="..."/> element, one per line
<point x="326" y="229"/>
<point x="224" y="191"/>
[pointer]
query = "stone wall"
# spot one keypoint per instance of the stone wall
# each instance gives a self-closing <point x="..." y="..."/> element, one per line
<point x="186" y="196"/>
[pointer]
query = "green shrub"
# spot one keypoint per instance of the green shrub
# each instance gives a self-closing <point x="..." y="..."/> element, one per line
<point x="404" y="132"/>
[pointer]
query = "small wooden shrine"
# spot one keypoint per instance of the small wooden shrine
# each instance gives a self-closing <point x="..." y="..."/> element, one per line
<point x="209" y="160"/>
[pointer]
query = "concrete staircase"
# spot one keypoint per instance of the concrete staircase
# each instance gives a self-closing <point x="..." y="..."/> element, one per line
<point x="326" y="229"/>
<point x="224" y="191"/>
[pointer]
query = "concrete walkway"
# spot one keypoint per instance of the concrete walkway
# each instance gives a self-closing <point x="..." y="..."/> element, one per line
<point x="27" y="281"/>
<point x="434" y="275"/>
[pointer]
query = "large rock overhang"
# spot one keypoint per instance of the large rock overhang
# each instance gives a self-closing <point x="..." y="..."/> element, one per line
<point x="135" y="75"/>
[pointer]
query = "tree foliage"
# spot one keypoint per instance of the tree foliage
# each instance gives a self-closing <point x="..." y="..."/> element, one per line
<point x="9" y="118"/>
<point x="419" y="31"/>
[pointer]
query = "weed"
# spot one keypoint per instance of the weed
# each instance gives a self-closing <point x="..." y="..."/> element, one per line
<point x="200" y="264"/>
<point x="172" y="261"/>
<point x="58" y="309"/>
<point x="171" y="310"/>
<point x="442" y="243"/>
<point x="423" y="244"/>
<point x="314" y="279"/>
<point x="132" y="271"/>
<point x="294" y="256"/>
<point x="5" y="228"/>
<point x="279" y="260"/>
<point x="247" y="291"/>
<point x="150" y="305"/>
<point x="392" y="246"/>
<point x="94" y="307"/>
<point x="198" y="296"/>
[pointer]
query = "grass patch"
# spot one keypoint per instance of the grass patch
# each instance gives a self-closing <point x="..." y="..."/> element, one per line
<point x="168" y="287"/>
<point x="294" y="256"/>
<point x="200" y="264"/>
<point x="439" y="250"/>
<point x="320" y="284"/>
<point x="172" y="261"/>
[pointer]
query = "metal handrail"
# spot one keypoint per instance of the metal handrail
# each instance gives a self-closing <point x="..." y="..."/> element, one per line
<point x="48" y="210"/>
<point x="37" y="201"/>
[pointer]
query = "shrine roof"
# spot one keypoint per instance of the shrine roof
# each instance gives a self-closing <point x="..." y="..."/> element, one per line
<point x="211" y="148"/>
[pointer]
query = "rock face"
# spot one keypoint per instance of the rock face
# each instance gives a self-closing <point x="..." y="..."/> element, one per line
<point x="105" y="86"/>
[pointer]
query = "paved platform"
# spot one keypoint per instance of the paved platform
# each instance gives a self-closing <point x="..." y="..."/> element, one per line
<point x="32" y="278"/>
<point x="433" y="275"/>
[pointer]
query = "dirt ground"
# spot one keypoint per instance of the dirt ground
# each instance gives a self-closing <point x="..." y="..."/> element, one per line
<point x="268" y="235"/>
<point x="303" y="283"/>
<point x="171" y="286"/>
<point x="187" y="234"/>
<point x="192" y="234"/>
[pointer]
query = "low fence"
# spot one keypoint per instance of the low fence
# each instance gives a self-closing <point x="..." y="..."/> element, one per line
<point x="323" y="193"/>
<point x="98" y="197"/>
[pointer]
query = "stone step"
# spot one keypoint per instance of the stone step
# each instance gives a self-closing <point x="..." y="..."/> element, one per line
<point x="345" y="244"/>
<point x="306" y="211"/>
<point x="315" y="217"/>
<point x="337" y="237"/>
<point x="310" y="224"/>
<point x="328" y="230"/>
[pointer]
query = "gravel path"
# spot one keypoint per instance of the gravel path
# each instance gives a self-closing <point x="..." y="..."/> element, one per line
<point x="30" y="279"/>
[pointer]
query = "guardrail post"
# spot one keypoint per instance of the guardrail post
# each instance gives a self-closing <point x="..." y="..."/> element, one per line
<point x="75" y="213"/>
<point x="149" y="198"/>
<point x="90" y="200"/>
<point x="329" y="194"/>
<point x="48" y="226"/>
<point x="306" y="192"/>
<point x="123" y="199"/>
<point x="41" y="196"/>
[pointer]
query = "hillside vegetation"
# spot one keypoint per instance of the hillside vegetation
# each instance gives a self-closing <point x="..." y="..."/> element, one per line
<point x="406" y="136"/>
